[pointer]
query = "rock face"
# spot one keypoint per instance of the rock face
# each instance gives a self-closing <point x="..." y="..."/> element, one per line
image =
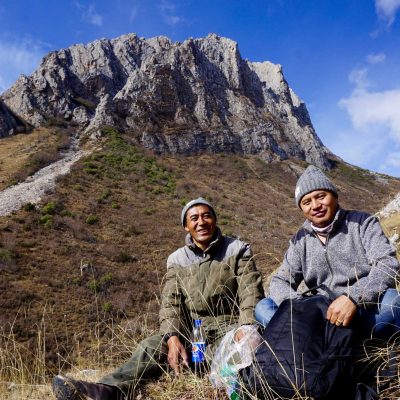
<point x="9" y="123"/>
<point x="189" y="97"/>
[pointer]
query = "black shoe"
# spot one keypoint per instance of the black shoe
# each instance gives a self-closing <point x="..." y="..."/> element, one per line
<point x="66" y="388"/>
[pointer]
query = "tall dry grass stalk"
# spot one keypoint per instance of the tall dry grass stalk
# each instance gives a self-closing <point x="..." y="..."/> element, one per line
<point x="25" y="373"/>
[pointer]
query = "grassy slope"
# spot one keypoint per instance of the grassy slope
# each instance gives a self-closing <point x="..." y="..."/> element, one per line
<point x="117" y="216"/>
<point x="23" y="154"/>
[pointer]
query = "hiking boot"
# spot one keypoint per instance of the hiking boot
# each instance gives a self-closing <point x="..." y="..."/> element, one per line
<point x="66" y="388"/>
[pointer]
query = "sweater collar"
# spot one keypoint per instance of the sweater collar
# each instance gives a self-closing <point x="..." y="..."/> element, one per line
<point x="214" y="242"/>
<point x="335" y="223"/>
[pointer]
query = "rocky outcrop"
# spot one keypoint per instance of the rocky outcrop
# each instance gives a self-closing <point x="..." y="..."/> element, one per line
<point x="9" y="122"/>
<point x="393" y="207"/>
<point x="190" y="97"/>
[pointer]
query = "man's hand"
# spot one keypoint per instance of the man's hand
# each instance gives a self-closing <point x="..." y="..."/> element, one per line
<point x="341" y="311"/>
<point x="177" y="356"/>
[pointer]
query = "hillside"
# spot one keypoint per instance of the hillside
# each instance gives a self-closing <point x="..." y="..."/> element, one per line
<point x="152" y="124"/>
<point x="89" y="261"/>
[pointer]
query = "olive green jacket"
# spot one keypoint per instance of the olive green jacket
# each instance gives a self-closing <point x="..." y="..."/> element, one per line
<point x="220" y="286"/>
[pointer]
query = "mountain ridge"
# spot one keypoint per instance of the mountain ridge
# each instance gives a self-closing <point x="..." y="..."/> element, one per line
<point x="180" y="98"/>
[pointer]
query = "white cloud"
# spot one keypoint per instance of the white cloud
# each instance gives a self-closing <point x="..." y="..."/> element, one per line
<point x="376" y="58"/>
<point x="387" y="9"/>
<point x="359" y="78"/>
<point x="89" y="14"/>
<point x="373" y="137"/>
<point x="169" y="14"/>
<point x="374" y="108"/>
<point x="18" y="57"/>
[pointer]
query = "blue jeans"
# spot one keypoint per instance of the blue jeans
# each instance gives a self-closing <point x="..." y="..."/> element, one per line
<point x="381" y="320"/>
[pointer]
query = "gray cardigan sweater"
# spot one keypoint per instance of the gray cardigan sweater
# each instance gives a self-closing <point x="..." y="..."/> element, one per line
<point x="357" y="260"/>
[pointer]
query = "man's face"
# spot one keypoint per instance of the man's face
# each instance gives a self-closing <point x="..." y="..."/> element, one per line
<point x="201" y="225"/>
<point x="319" y="207"/>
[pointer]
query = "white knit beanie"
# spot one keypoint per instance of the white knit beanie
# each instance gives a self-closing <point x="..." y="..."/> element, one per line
<point x="192" y="203"/>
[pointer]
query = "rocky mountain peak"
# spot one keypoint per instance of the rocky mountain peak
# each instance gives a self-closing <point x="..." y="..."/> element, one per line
<point x="190" y="97"/>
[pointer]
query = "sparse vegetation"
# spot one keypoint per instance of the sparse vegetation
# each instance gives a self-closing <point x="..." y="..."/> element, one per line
<point x="22" y="154"/>
<point x="92" y="219"/>
<point x="90" y="105"/>
<point x="29" y="207"/>
<point x="49" y="208"/>
<point x="7" y="257"/>
<point x="46" y="220"/>
<point x="94" y="315"/>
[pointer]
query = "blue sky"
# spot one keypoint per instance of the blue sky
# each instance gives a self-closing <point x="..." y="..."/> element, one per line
<point x="342" y="57"/>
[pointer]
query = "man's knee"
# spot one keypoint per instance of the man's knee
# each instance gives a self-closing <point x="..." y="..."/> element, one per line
<point x="264" y="310"/>
<point x="390" y="304"/>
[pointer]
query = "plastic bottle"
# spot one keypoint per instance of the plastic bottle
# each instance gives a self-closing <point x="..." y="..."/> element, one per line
<point x="229" y="374"/>
<point x="198" y="341"/>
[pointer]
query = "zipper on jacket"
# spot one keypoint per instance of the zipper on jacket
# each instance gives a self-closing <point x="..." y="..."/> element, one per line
<point x="325" y="247"/>
<point x="327" y="260"/>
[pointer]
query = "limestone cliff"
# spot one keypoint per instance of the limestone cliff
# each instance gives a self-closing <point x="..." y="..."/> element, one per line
<point x="190" y="97"/>
<point x="9" y="122"/>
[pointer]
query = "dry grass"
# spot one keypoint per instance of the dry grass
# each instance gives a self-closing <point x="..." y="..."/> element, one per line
<point x="56" y="258"/>
<point x="20" y="153"/>
<point x="22" y="380"/>
<point x="16" y="150"/>
<point x="391" y="224"/>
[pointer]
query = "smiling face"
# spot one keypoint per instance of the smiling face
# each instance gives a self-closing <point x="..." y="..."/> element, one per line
<point x="201" y="224"/>
<point x="319" y="207"/>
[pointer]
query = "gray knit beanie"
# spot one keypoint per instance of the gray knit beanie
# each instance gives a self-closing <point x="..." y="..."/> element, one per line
<point x="312" y="179"/>
<point x="192" y="203"/>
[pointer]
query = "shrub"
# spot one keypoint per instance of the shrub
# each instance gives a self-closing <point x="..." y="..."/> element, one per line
<point x="115" y="205"/>
<point x="104" y="196"/>
<point x="29" y="207"/>
<point x="91" y="167"/>
<point x="94" y="286"/>
<point x="85" y="102"/>
<point x="66" y="213"/>
<point x="92" y="219"/>
<point x="100" y="284"/>
<point x="46" y="220"/>
<point x="49" y="208"/>
<point x="6" y="256"/>
<point x="132" y="230"/>
<point x="123" y="257"/>
<point x="107" y="278"/>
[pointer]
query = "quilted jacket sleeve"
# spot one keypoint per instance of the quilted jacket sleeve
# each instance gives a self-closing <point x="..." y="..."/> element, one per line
<point x="172" y="300"/>
<point x="250" y="288"/>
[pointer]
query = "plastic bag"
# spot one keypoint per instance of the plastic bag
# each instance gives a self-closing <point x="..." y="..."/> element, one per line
<point x="231" y="356"/>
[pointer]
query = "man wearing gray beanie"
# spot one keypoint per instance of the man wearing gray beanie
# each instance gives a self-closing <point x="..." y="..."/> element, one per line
<point x="342" y="254"/>
<point x="213" y="278"/>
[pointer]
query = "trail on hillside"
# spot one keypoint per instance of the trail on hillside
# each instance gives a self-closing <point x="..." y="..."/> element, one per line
<point x="42" y="182"/>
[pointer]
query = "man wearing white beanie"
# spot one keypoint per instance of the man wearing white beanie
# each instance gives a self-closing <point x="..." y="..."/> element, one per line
<point x="213" y="278"/>
<point x="342" y="253"/>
